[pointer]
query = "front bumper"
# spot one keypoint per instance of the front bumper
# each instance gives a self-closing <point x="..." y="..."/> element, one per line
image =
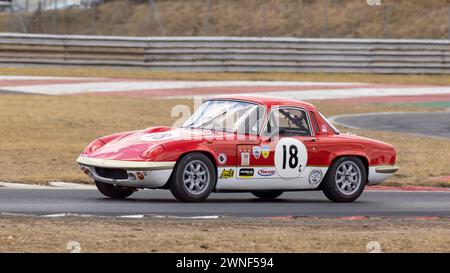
<point x="386" y="169"/>
<point x="137" y="174"/>
<point x="378" y="174"/>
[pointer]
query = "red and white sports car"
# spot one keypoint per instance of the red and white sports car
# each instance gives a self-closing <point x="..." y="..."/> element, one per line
<point x="241" y="143"/>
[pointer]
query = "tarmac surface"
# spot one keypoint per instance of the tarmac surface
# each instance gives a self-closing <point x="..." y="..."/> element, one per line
<point x="160" y="202"/>
<point x="423" y="123"/>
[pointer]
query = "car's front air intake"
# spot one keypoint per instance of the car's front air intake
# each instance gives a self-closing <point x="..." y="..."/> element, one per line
<point x="111" y="173"/>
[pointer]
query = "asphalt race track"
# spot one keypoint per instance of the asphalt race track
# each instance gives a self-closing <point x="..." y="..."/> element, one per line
<point x="159" y="202"/>
<point x="429" y="123"/>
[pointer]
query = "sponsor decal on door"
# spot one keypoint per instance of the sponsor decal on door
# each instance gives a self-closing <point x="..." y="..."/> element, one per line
<point x="245" y="159"/>
<point x="265" y="151"/>
<point x="256" y="151"/>
<point x="246" y="173"/>
<point x="266" y="172"/>
<point x="226" y="174"/>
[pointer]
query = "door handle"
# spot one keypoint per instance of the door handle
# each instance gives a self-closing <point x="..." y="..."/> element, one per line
<point x="313" y="139"/>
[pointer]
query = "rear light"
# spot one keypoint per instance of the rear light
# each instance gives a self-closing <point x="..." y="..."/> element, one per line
<point x="153" y="152"/>
<point x="93" y="146"/>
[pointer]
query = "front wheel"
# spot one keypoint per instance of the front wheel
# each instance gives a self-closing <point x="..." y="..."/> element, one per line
<point x="112" y="191"/>
<point x="345" y="180"/>
<point x="268" y="195"/>
<point x="194" y="178"/>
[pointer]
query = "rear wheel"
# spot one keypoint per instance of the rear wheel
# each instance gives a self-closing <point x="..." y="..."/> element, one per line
<point x="194" y="178"/>
<point x="112" y="191"/>
<point x="345" y="180"/>
<point x="269" y="195"/>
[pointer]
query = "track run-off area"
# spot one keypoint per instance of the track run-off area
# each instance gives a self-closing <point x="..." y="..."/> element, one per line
<point x="371" y="92"/>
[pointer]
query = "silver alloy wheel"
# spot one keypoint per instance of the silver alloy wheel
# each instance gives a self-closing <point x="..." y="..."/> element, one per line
<point x="196" y="177"/>
<point x="348" y="177"/>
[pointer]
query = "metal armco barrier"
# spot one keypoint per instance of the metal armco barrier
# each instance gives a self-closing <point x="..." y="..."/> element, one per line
<point x="221" y="54"/>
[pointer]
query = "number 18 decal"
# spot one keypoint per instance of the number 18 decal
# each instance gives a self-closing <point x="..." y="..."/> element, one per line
<point x="290" y="157"/>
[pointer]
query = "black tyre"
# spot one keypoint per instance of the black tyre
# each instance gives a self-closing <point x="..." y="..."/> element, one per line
<point x="194" y="178"/>
<point x="112" y="191"/>
<point x="269" y="195"/>
<point x="345" y="180"/>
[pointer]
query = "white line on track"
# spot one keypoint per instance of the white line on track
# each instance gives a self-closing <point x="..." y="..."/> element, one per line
<point x="51" y="186"/>
<point x="187" y="217"/>
<point x="21" y="78"/>
<point x="24" y="186"/>
<point x="344" y="93"/>
<point x="138" y="216"/>
<point x="56" y="215"/>
<point x="72" y="186"/>
<point x="132" y="216"/>
<point x="125" y="85"/>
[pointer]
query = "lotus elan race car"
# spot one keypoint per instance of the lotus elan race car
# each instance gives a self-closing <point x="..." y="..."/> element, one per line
<point x="251" y="144"/>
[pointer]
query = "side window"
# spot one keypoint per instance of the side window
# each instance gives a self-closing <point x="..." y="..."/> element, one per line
<point x="289" y="122"/>
<point x="314" y="122"/>
<point x="249" y="120"/>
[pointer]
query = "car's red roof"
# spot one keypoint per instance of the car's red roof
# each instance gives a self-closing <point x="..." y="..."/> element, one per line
<point x="269" y="101"/>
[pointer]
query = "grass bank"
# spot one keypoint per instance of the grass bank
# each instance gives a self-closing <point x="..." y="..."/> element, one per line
<point x="305" y="234"/>
<point x="293" y="18"/>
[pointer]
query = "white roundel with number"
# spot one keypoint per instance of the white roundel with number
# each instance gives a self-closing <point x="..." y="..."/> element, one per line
<point x="290" y="157"/>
